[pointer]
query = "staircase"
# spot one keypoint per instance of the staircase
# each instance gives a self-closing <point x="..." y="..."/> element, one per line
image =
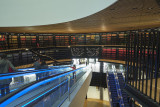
<point x="124" y="95"/>
<point x="113" y="90"/>
<point x="116" y="83"/>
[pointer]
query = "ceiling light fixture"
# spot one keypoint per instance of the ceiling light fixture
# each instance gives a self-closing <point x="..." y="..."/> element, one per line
<point x="150" y="8"/>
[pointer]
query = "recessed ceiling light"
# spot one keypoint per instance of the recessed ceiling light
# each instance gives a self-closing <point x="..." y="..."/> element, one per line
<point x="150" y="8"/>
<point x="27" y="49"/>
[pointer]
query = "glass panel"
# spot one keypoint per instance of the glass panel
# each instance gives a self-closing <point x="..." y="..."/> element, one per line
<point x="50" y="92"/>
<point x="13" y="81"/>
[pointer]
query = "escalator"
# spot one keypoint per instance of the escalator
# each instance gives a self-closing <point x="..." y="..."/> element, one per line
<point x="116" y="84"/>
<point x="49" y="91"/>
<point x="123" y="93"/>
<point x="112" y="90"/>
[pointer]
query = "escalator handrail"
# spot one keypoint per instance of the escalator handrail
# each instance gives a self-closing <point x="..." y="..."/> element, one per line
<point x="30" y="71"/>
<point x="17" y="74"/>
<point x="109" y="90"/>
<point x="29" y="104"/>
<point x="27" y="71"/>
<point x="55" y="61"/>
<point x="9" y="98"/>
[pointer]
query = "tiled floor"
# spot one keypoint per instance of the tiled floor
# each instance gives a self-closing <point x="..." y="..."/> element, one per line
<point x="96" y="103"/>
<point x="97" y="97"/>
<point x="94" y="93"/>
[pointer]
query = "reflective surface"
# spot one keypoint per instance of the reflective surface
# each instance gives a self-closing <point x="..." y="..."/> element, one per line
<point x="40" y="93"/>
<point x="13" y="81"/>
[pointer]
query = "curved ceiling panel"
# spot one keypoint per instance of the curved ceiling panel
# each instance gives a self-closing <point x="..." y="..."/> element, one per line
<point x="16" y="13"/>
<point x="121" y="16"/>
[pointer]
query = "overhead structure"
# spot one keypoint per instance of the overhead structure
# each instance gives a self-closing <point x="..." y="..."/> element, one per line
<point x="20" y="13"/>
<point x="120" y="16"/>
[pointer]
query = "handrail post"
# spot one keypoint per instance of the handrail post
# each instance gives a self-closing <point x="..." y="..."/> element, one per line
<point x="69" y="87"/>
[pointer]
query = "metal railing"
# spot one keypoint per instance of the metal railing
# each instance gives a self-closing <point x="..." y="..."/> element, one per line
<point x="56" y="83"/>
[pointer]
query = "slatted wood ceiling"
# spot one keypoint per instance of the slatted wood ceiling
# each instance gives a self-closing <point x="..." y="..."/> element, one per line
<point x="121" y="16"/>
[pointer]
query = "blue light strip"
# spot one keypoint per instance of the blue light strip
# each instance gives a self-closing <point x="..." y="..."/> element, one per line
<point x="9" y="100"/>
<point x="47" y="92"/>
<point x="25" y="69"/>
<point x="28" y="70"/>
<point x="43" y="94"/>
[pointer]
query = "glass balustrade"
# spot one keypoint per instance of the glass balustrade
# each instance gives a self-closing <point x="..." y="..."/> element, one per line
<point x="46" y="92"/>
<point x="10" y="82"/>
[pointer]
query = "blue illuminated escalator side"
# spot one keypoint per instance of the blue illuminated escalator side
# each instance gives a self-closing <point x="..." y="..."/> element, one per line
<point x="113" y="90"/>
<point x="123" y="93"/>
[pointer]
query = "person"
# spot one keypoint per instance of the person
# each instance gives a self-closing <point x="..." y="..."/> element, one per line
<point x="74" y="67"/>
<point x="44" y="66"/>
<point x="37" y="66"/>
<point x="5" y="65"/>
<point x="74" y="73"/>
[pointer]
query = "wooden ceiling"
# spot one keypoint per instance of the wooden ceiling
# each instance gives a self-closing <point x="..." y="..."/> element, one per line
<point x="121" y="16"/>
